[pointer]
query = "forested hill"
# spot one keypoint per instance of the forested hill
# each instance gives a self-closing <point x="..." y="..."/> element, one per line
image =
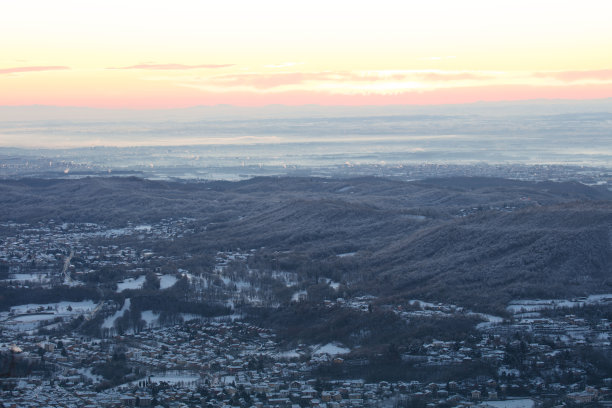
<point x="475" y="241"/>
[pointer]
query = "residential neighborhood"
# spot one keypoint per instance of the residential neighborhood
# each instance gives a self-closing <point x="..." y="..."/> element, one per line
<point x="109" y="315"/>
<point x="221" y="364"/>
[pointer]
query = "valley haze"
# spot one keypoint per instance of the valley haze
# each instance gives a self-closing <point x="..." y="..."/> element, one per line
<point x="228" y="142"/>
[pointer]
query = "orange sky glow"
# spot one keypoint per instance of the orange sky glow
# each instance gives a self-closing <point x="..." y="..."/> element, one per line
<point x="161" y="54"/>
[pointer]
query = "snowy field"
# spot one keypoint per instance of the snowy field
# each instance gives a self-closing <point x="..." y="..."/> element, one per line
<point x="34" y="317"/>
<point x="331" y="349"/>
<point x="446" y="310"/>
<point x="110" y="321"/>
<point x="131" y="283"/>
<point x="534" y="305"/>
<point x="60" y="308"/>
<point x="167" y="281"/>
<point x="25" y="318"/>
<point x="150" y="317"/>
<point x="175" y="377"/>
<point x="288" y="354"/>
<point x="490" y="320"/>
<point x="29" y="277"/>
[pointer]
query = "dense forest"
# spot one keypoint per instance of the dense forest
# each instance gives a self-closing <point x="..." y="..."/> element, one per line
<point x="478" y="242"/>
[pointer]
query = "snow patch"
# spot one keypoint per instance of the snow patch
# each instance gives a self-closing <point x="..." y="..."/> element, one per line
<point x="512" y="403"/>
<point x="288" y="354"/>
<point x="149" y="316"/>
<point x="59" y="308"/>
<point x="298" y="296"/>
<point x="131" y="283"/>
<point x="110" y="321"/>
<point x="490" y="320"/>
<point x="34" y="317"/>
<point x="534" y="305"/>
<point x="175" y="377"/>
<point x="29" y="277"/>
<point x="167" y="281"/>
<point x="86" y="372"/>
<point x="331" y="349"/>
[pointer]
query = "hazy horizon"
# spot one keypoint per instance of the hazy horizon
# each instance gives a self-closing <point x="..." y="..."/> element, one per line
<point x="49" y="127"/>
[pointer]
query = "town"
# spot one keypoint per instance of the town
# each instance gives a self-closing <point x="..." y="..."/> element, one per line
<point x="542" y="352"/>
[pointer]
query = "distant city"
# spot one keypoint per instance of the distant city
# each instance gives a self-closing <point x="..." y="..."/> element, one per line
<point x="185" y="163"/>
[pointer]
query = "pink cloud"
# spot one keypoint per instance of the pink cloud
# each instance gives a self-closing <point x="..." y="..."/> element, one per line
<point x="274" y="80"/>
<point x="265" y="81"/>
<point x="457" y="95"/>
<point x="571" y="76"/>
<point x="185" y="97"/>
<point x="173" y="66"/>
<point x="15" y="70"/>
<point x="452" y="76"/>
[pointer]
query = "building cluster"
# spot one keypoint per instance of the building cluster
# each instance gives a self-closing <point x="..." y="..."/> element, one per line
<point x="50" y="253"/>
<point x="221" y="364"/>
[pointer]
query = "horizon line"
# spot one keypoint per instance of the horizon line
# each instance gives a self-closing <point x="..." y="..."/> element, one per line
<point x="136" y="109"/>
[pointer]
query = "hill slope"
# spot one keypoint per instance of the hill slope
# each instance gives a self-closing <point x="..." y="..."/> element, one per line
<point x="476" y="241"/>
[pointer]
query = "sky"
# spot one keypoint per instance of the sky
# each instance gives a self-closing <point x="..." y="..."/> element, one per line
<point x="173" y="54"/>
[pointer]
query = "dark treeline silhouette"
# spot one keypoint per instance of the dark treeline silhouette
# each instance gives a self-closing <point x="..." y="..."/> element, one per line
<point x="19" y="296"/>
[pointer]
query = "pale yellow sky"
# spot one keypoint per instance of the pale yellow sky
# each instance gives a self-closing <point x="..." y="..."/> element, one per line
<point x="182" y="53"/>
